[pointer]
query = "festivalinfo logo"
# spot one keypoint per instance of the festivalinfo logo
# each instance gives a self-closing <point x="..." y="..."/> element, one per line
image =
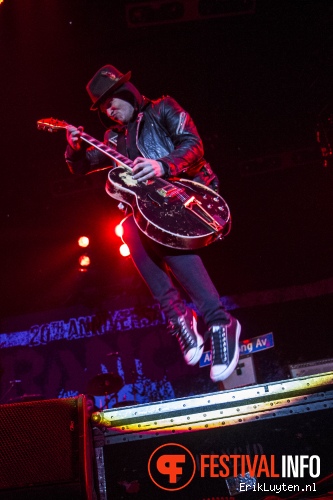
<point x="172" y="466"/>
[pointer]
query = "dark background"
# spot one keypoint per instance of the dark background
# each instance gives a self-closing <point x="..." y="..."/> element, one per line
<point x="256" y="84"/>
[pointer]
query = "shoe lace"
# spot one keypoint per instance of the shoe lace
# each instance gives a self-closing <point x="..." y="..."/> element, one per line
<point x="219" y="345"/>
<point x="184" y="335"/>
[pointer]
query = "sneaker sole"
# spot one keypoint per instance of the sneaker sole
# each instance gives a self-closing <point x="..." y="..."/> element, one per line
<point x="200" y="346"/>
<point x="234" y="362"/>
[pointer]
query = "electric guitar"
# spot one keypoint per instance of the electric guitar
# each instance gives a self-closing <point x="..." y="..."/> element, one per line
<point x="177" y="213"/>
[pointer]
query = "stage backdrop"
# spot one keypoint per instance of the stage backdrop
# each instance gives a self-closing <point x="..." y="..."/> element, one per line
<point x="61" y="357"/>
<point x="59" y="353"/>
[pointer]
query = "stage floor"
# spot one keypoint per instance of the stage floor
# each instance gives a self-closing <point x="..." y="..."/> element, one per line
<point x="247" y="441"/>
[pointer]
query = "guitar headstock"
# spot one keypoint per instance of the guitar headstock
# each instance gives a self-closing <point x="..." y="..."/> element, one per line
<point x="51" y="124"/>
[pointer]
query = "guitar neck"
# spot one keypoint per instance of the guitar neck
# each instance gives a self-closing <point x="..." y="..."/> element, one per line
<point x="107" y="150"/>
<point x="119" y="158"/>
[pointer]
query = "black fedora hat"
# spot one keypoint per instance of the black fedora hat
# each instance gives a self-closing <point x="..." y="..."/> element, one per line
<point x="104" y="83"/>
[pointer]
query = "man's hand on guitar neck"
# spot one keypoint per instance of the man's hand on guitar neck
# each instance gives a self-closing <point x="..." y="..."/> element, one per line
<point x="73" y="136"/>
<point x="145" y="168"/>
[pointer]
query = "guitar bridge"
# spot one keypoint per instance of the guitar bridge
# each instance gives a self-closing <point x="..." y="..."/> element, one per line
<point x="197" y="209"/>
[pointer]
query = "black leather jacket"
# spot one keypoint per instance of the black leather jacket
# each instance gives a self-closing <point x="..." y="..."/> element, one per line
<point x="164" y="132"/>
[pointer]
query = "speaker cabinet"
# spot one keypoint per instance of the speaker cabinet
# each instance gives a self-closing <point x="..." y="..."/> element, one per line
<point x="46" y="451"/>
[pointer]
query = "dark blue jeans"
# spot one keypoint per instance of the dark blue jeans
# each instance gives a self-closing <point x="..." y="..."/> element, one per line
<point x="154" y="262"/>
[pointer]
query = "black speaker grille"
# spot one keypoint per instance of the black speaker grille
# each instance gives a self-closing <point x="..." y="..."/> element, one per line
<point x="39" y="443"/>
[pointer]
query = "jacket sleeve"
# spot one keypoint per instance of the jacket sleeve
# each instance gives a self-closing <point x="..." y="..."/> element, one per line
<point x="187" y="149"/>
<point x="87" y="160"/>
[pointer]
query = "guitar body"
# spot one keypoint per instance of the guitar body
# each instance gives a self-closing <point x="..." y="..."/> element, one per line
<point x="165" y="219"/>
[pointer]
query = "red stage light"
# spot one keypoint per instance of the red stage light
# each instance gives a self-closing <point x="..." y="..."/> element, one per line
<point x="83" y="241"/>
<point x="84" y="261"/>
<point x="124" y="250"/>
<point x="119" y="230"/>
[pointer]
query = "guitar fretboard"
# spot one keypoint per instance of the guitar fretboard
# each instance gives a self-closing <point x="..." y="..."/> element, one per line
<point x="112" y="153"/>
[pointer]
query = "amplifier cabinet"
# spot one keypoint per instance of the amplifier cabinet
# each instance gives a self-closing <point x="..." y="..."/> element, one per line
<point x="311" y="367"/>
<point x="46" y="451"/>
<point x="266" y="440"/>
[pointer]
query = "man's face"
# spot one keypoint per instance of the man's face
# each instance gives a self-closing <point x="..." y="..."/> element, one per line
<point x="118" y="110"/>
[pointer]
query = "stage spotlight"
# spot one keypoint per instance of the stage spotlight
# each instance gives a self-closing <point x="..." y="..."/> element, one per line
<point x="84" y="262"/>
<point x="124" y="250"/>
<point x="119" y="230"/>
<point x="83" y="241"/>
